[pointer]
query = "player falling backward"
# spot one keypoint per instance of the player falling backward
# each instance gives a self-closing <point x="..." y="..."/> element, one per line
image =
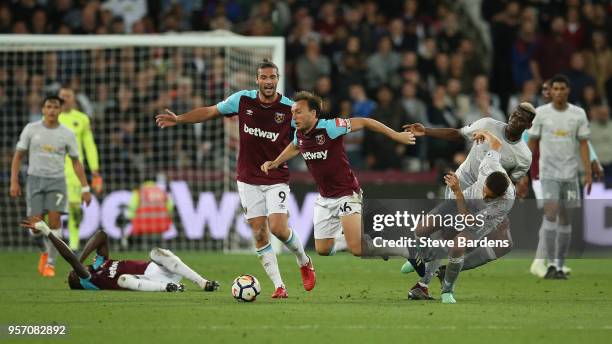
<point x="162" y="273"/>
<point x="264" y="117"/>
<point x="515" y="159"/>
<point x="320" y="141"/>
<point x="47" y="143"/>
<point x="490" y="197"/>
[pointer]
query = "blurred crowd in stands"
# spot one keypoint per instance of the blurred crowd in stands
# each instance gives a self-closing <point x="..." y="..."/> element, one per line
<point x="441" y="63"/>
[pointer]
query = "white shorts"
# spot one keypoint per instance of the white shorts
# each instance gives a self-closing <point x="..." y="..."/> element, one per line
<point x="263" y="200"/>
<point x="155" y="272"/>
<point x="327" y="213"/>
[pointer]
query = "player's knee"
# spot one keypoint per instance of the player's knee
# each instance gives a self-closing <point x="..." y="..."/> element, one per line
<point x="125" y="280"/>
<point x="323" y="250"/>
<point x="161" y="255"/>
<point x="54" y="223"/>
<point x="456" y="252"/>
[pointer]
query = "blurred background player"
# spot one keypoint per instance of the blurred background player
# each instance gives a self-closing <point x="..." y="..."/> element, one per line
<point x="78" y="122"/>
<point x="48" y="143"/>
<point x="320" y="141"/>
<point x="539" y="265"/>
<point x="516" y="159"/>
<point x="265" y="130"/>
<point x="558" y="129"/>
<point x="150" y="210"/>
<point x="162" y="273"/>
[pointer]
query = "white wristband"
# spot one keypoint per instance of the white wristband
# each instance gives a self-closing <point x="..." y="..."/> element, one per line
<point x="42" y="226"/>
<point x="85" y="189"/>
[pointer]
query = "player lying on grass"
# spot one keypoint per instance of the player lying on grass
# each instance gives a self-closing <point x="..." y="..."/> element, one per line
<point x="162" y="273"/>
<point x="491" y="198"/>
<point x="515" y="159"/>
<point x="320" y="141"/>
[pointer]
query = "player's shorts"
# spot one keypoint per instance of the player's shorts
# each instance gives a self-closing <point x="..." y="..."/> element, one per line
<point x="155" y="272"/>
<point x="263" y="200"/>
<point x="75" y="189"/>
<point x="566" y="192"/>
<point x="45" y="194"/>
<point x="327" y="213"/>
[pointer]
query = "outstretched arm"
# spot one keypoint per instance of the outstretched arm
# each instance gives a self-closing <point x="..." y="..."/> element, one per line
<point x="405" y="137"/>
<point x="289" y="152"/>
<point x="201" y="114"/>
<point x="448" y="134"/>
<point x="61" y="247"/>
<point x="99" y="243"/>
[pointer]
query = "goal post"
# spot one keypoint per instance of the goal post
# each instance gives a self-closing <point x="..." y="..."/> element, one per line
<point x="121" y="82"/>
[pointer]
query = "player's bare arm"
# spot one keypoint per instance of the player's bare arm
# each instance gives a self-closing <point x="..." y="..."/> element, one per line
<point x="61" y="247"/>
<point x="584" y="154"/>
<point x="99" y="243"/>
<point x="405" y="137"/>
<point x="80" y="172"/>
<point x="453" y="183"/>
<point x="15" y="190"/>
<point x="533" y="143"/>
<point x="287" y="154"/>
<point x="449" y="134"/>
<point x="201" y="114"/>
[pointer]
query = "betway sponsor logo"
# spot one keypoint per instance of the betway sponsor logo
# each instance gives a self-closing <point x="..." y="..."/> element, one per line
<point x="261" y="133"/>
<point x="315" y="155"/>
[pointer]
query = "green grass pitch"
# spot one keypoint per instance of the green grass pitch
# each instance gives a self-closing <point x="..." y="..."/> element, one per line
<point x="355" y="301"/>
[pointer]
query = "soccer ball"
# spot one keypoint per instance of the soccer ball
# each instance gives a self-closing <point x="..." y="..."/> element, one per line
<point x="246" y="288"/>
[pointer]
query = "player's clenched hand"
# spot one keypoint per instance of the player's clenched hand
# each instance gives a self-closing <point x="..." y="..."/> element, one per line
<point x="15" y="190"/>
<point x="86" y="198"/>
<point x="452" y="181"/>
<point x="267" y="166"/>
<point x="417" y="129"/>
<point x="168" y="119"/>
<point x="481" y="136"/>
<point x="405" y="137"/>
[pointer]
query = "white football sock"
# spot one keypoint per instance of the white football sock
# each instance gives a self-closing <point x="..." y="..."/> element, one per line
<point x="140" y="283"/>
<point x="270" y="264"/>
<point x="295" y="245"/>
<point x="174" y="264"/>
<point x="540" y="255"/>
<point x="51" y="250"/>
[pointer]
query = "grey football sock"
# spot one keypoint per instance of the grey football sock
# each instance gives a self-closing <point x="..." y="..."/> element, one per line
<point x="564" y="238"/>
<point x="430" y="270"/>
<point x="550" y="235"/>
<point x="452" y="272"/>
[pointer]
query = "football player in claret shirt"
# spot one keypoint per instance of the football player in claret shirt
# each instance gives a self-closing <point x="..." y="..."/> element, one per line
<point x="162" y="273"/>
<point x="264" y="117"/>
<point x="320" y="141"/>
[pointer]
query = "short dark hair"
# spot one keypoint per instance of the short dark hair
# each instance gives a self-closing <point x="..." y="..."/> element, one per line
<point x="267" y="64"/>
<point x="314" y="102"/>
<point x="497" y="182"/>
<point x="560" y="78"/>
<point x="52" y="98"/>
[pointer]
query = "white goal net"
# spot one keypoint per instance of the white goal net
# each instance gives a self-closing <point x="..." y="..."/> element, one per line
<point x="121" y="83"/>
